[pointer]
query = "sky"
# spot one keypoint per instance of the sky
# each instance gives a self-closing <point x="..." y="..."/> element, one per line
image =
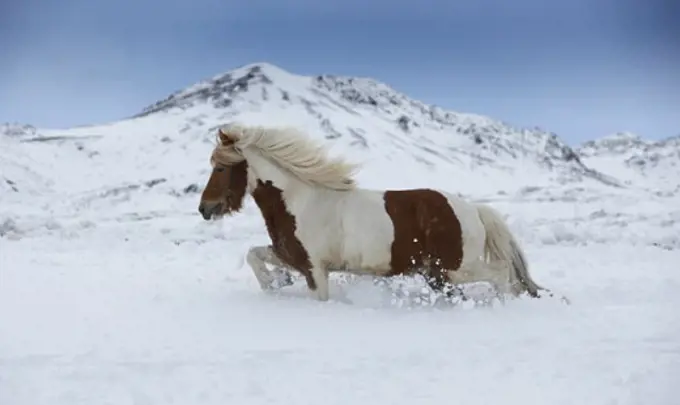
<point x="580" y="68"/>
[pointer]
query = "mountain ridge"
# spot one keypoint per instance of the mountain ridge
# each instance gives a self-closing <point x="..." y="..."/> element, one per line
<point x="265" y="83"/>
<point x="365" y="118"/>
<point x="152" y="167"/>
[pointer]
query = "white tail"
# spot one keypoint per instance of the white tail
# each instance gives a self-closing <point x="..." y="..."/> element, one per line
<point x="502" y="246"/>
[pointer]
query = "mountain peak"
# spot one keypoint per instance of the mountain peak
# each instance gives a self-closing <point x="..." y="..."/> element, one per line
<point x="222" y="89"/>
<point x="653" y="164"/>
<point x="622" y="136"/>
<point x="17" y="130"/>
<point x="614" y="144"/>
<point x="358" y="112"/>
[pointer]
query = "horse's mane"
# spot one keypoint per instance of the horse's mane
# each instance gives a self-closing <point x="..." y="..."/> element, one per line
<point x="291" y="149"/>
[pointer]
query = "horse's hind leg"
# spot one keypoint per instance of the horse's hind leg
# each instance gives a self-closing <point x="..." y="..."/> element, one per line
<point x="494" y="275"/>
<point x="440" y="283"/>
<point x="257" y="258"/>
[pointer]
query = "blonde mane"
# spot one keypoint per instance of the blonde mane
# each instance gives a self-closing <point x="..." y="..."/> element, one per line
<point x="290" y="149"/>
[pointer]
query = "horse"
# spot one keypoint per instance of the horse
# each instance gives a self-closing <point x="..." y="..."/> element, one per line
<point x="320" y="221"/>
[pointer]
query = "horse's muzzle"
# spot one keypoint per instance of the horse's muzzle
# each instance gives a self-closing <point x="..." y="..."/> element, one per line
<point x="209" y="210"/>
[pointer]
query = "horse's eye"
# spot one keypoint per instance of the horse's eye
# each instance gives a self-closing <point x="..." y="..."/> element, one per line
<point x="219" y="169"/>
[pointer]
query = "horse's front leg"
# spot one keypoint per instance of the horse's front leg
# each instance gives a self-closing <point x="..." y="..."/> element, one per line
<point x="318" y="280"/>
<point x="258" y="257"/>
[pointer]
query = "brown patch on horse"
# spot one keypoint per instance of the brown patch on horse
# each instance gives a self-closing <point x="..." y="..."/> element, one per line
<point x="281" y="226"/>
<point x="225" y="191"/>
<point x="427" y="234"/>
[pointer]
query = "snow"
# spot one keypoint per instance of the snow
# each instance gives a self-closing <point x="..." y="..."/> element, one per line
<point x="113" y="290"/>
<point x="655" y="165"/>
<point x="164" y="311"/>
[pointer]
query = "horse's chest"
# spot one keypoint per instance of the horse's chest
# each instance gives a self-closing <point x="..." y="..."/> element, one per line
<point x="285" y="243"/>
<point x="281" y="226"/>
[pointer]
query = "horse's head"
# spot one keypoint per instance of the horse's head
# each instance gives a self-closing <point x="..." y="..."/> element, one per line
<point x="226" y="188"/>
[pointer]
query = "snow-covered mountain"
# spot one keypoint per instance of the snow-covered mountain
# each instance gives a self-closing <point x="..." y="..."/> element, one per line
<point x="615" y="144"/>
<point x="157" y="160"/>
<point x="367" y="120"/>
<point x="363" y="114"/>
<point x="652" y="165"/>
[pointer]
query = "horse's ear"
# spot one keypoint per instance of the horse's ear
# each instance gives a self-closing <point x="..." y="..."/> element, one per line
<point x="225" y="139"/>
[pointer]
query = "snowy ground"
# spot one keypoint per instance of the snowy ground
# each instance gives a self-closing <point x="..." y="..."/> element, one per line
<point x="159" y="309"/>
<point x="113" y="290"/>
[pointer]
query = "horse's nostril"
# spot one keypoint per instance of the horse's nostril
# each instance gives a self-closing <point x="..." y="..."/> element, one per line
<point x="201" y="208"/>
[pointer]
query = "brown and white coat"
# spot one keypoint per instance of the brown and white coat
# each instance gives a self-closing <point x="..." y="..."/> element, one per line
<point x="320" y="221"/>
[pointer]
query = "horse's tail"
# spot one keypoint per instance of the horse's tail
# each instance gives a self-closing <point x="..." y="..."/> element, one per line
<point x="502" y="246"/>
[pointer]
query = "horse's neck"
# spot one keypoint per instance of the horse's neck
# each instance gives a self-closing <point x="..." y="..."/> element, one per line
<point x="266" y="171"/>
<point x="278" y="185"/>
<point x="293" y="190"/>
<point x="276" y="211"/>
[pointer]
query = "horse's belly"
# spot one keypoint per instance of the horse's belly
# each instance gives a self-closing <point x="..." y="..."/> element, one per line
<point x="368" y="253"/>
<point x="365" y="253"/>
<point x="368" y="236"/>
<point x="354" y="234"/>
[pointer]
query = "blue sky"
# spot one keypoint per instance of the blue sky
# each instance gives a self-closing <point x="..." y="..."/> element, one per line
<point x="580" y="68"/>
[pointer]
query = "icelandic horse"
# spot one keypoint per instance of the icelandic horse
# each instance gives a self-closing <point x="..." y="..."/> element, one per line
<point x="320" y="221"/>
